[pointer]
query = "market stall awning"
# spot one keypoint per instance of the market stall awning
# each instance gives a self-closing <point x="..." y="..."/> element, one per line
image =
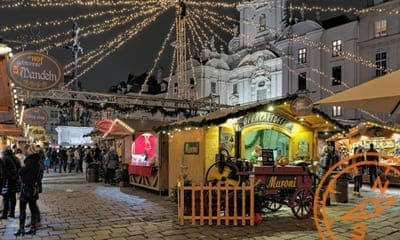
<point x="378" y="95"/>
<point x="316" y="119"/>
<point x="124" y="127"/>
<point x="10" y="130"/>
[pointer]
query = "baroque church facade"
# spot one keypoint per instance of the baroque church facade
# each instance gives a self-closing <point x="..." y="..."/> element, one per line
<point x="273" y="55"/>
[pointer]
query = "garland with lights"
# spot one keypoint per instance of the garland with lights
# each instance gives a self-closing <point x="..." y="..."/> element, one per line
<point x="241" y="111"/>
<point x="118" y="109"/>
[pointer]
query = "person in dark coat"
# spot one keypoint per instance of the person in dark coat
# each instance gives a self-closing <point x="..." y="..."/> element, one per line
<point x="10" y="187"/>
<point x="29" y="194"/>
<point x="372" y="168"/>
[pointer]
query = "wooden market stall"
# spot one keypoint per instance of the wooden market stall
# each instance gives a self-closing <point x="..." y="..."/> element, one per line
<point x="386" y="141"/>
<point x="140" y="148"/>
<point x="194" y="143"/>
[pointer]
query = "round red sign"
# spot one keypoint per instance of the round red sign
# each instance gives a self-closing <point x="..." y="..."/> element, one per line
<point x="105" y="125"/>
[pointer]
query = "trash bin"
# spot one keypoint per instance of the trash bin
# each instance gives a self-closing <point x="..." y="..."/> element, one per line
<point x="342" y="186"/>
<point x="92" y="173"/>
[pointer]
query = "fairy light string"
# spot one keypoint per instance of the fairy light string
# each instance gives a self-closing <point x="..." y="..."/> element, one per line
<point x="164" y="44"/>
<point x="171" y="73"/>
<point x="198" y="19"/>
<point x="118" y="42"/>
<point x="104" y="47"/>
<point x="54" y="23"/>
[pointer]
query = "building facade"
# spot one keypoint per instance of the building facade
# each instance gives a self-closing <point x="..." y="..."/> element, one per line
<point x="274" y="54"/>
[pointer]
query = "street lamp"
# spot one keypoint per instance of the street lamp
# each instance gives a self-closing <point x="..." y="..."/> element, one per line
<point x="4" y="49"/>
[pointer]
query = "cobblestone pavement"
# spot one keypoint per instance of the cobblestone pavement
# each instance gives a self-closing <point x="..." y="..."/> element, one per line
<point x="74" y="209"/>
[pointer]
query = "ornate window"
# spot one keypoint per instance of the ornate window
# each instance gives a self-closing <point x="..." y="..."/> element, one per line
<point x="263" y="90"/>
<point x="380" y="28"/>
<point x="381" y="63"/>
<point x="336" y="48"/>
<point x="302" y="55"/>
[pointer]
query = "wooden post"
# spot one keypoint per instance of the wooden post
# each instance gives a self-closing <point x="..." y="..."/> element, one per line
<point x="209" y="203"/>
<point x="201" y="204"/>
<point x="181" y="203"/>
<point x="218" y="204"/>
<point x="235" y="205"/>
<point x="193" y="204"/>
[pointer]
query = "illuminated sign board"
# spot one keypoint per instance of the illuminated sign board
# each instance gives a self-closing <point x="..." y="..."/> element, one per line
<point x="34" y="71"/>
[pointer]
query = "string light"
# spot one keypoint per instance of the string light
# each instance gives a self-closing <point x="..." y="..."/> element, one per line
<point x="166" y="40"/>
<point x="104" y="47"/>
<point x="195" y="44"/>
<point x="209" y="28"/>
<point x="70" y="3"/>
<point x="195" y="84"/>
<point x="215" y="21"/>
<point x="171" y="72"/>
<point x="18" y="27"/>
<point x="118" y="42"/>
<point x="212" y="4"/>
<point x="94" y="29"/>
<point x="193" y="29"/>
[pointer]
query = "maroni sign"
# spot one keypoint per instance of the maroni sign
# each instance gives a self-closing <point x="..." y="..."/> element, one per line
<point x="35" y="71"/>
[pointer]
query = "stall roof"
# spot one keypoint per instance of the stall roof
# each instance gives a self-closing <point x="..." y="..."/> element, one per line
<point x="10" y="130"/>
<point x="129" y="126"/>
<point x="281" y="106"/>
<point x="364" y="128"/>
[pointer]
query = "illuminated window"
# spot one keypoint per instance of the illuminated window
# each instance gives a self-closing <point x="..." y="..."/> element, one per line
<point x="381" y="63"/>
<point x="302" y="55"/>
<point x="302" y="78"/>
<point x="380" y="28"/>
<point x="262" y="23"/>
<point x="336" y="75"/>
<point x="336" y="48"/>
<point x="336" y="111"/>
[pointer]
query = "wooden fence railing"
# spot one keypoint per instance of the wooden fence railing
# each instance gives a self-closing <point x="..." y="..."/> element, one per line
<point x="216" y="204"/>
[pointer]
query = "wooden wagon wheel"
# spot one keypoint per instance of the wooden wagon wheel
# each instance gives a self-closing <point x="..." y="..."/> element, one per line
<point x="272" y="204"/>
<point x="226" y="174"/>
<point x="269" y="202"/>
<point x="302" y="203"/>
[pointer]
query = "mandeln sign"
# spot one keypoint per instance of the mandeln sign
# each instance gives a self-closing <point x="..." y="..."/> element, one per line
<point x="34" y="71"/>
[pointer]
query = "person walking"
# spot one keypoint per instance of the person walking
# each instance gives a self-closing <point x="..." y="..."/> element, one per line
<point x="10" y="187"/>
<point x="111" y="164"/>
<point x="372" y="168"/>
<point x="29" y="193"/>
<point x="357" y="172"/>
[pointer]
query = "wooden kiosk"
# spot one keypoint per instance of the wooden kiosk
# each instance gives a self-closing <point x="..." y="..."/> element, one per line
<point x="194" y="142"/>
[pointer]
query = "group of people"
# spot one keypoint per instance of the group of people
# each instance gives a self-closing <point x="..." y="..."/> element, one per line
<point x="21" y="171"/>
<point x="68" y="159"/>
<point x="76" y="159"/>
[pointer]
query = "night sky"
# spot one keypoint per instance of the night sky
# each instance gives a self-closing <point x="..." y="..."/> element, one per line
<point x="136" y="56"/>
